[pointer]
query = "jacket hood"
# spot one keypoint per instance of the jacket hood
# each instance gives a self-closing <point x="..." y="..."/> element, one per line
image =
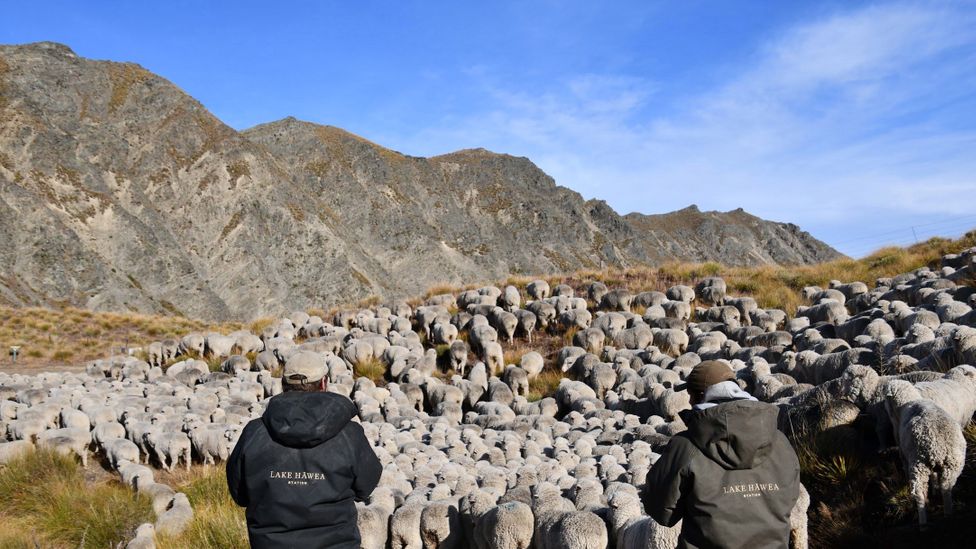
<point x="723" y="392"/>
<point x="304" y="420"/>
<point x="738" y="434"/>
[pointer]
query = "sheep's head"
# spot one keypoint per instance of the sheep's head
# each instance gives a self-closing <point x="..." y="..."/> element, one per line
<point x="963" y="372"/>
<point x="899" y="393"/>
<point x="858" y="383"/>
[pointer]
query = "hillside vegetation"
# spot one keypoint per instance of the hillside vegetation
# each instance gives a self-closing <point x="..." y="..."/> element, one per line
<point x="56" y="338"/>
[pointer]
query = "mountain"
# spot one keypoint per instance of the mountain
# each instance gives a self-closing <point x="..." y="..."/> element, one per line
<point x="118" y="191"/>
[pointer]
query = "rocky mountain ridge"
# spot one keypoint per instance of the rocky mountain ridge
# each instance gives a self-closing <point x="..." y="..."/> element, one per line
<point x="118" y="191"/>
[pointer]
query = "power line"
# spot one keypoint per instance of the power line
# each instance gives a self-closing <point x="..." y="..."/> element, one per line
<point x="906" y="228"/>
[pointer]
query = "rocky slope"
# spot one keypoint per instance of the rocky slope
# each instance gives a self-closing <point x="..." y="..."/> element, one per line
<point x="119" y="191"/>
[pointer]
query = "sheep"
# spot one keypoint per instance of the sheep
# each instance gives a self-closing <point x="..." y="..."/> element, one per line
<point x="711" y="290"/>
<point x="373" y="519"/>
<point x="517" y="379"/>
<point x="14" y="449"/>
<point x="930" y="442"/>
<point x="559" y="525"/>
<point x="445" y="334"/>
<point x="575" y="318"/>
<point x="405" y="524"/>
<point x="538" y="289"/>
<point x="506" y="324"/>
<point x="161" y="496"/>
<point x="832" y="312"/>
<point x="67" y="441"/>
<point x="119" y="450"/>
<point x="638" y="337"/>
<point x="177" y="518"/>
<point x="616" y="300"/>
<point x="680" y="293"/>
<point x="532" y="363"/>
<point x="631" y="530"/>
<point x="75" y="419"/>
<point x="209" y="442"/>
<point x="169" y="448"/>
<point x="526" y="323"/>
<point x="508" y="525"/>
<point x="145" y="537"/>
<point x="798" y="520"/>
<point x="671" y="342"/>
<point x="493" y="357"/>
<point x="135" y="475"/>
<point x="955" y="393"/>
<point x="440" y="525"/>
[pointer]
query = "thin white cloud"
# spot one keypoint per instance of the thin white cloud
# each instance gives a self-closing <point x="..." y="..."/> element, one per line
<point x="841" y="125"/>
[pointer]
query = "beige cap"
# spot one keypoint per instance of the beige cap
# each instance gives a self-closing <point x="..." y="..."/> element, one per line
<point x="305" y="367"/>
<point x="708" y="373"/>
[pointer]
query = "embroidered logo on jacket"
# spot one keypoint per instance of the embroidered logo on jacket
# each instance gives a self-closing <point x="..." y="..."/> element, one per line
<point x="296" y="477"/>
<point x="750" y="490"/>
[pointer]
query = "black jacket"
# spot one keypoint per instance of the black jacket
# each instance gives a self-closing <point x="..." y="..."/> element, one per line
<point x="732" y="478"/>
<point x="299" y="469"/>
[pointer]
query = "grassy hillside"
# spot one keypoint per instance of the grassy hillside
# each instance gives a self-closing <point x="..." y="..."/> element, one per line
<point x="52" y="338"/>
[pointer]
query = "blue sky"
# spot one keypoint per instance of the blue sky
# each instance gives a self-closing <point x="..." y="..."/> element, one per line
<point x="855" y="120"/>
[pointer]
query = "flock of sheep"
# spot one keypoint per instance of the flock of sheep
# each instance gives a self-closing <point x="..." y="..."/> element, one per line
<point x="470" y="461"/>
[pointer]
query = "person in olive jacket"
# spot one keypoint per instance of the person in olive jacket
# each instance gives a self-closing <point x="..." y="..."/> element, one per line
<point x="300" y="468"/>
<point x="732" y="478"/>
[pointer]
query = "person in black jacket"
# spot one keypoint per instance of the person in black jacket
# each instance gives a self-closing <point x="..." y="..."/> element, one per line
<point x="300" y="468"/>
<point x="732" y="478"/>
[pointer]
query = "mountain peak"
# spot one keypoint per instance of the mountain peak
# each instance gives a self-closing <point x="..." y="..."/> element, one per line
<point x="289" y="214"/>
<point x="55" y="48"/>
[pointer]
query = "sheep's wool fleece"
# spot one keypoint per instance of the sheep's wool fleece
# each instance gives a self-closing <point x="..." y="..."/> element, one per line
<point x="299" y="470"/>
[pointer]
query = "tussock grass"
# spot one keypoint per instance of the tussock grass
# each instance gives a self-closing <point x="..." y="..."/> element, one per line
<point x="373" y="369"/>
<point x="46" y="501"/>
<point x="218" y="523"/>
<point x="544" y="384"/>
<point x="258" y="325"/>
<point x="59" y="337"/>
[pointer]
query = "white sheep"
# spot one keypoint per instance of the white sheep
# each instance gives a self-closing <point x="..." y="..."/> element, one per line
<point x="634" y="530"/>
<point x="532" y="363"/>
<point x="120" y="450"/>
<point x="67" y="441"/>
<point x="169" y="448"/>
<point x="373" y="519"/>
<point x="930" y="441"/>
<point x="508" y="525"/>
<point x="13" y="450"/>
<point x="405" y="523"/>
<point x="106" y="431"/>
<point x="440" y="525"/>
<point x="135" y="475"/>
<point x="145" y="537"/>
<point x="559" y="525"/>
<point x="176" y="518"/>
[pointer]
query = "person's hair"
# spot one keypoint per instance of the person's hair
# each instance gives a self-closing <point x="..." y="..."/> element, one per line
<point x="313" y="387"/>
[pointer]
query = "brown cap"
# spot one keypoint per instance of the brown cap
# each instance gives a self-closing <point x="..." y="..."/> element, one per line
<point x="708" y="373"/>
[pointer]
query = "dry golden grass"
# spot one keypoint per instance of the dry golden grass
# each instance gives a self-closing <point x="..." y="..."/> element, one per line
<point x="218" y="523"/>
<point x="50" y="337"/>
<point x="544" y="384"/>
<point x="372" y="369"/>
<point x="46" y="501"/>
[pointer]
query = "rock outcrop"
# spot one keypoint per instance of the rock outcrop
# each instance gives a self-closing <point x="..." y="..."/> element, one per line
<point x="118" y="191"/>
